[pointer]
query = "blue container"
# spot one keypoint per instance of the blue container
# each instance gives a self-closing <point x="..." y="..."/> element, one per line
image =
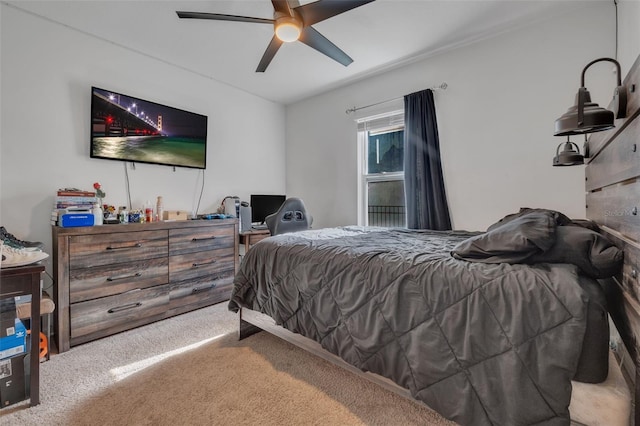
<point x="69" y="220"/>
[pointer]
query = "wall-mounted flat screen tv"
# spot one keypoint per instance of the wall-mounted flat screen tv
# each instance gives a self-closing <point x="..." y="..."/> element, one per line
<point x="126" y="128"/>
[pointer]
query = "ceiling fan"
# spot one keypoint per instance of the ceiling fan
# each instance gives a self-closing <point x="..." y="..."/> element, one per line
<point x="292" y="22"/>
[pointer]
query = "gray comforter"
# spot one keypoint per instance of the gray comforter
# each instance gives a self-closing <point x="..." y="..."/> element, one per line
<point x="479" y="343"/>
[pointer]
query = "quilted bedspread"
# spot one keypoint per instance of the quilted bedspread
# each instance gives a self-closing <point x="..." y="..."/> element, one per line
<point x="479" y="343"/>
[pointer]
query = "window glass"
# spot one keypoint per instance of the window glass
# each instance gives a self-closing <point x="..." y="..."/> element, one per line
<point x="386" y="203"/>
<point x="381" y="193"/>
<point x="385" y="152"/>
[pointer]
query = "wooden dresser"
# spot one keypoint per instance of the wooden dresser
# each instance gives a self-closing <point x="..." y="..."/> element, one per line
<point x="112" y="278"/>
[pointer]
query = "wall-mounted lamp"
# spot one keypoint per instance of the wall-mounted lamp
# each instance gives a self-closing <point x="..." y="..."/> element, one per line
<point x="586" y="116"/>
<point x="570" y="155"/>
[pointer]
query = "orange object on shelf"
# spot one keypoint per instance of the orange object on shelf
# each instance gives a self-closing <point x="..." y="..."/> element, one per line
<point x="43" y="345"/>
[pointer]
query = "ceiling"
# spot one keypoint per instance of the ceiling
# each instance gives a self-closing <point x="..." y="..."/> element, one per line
<point x="378" y="36"/>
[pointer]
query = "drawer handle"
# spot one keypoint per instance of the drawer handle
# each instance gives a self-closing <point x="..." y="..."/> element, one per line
<point x="203" y="239"/>
<point x="124" y="307"/>
<point x="197" y="265"/>
<point x="122" y="277"/>
<point x="137" y="245"/>
<point x="199" y="289"/>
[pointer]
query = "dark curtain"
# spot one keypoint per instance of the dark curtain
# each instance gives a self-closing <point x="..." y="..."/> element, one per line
<point x="426" y="200"/>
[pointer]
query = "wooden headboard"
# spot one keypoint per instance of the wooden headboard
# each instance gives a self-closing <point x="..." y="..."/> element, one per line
<point x="613" y="201"/>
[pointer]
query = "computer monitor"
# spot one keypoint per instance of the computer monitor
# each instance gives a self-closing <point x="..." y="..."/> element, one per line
<point x="264" y="205"/>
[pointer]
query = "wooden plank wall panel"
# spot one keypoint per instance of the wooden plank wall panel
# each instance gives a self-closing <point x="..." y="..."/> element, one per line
<point x="617" y="164"/>
<point x="598" y="141"/>
<point x="629" y="277"/>
<point x="612" y="181"/>
<point x="617" y="207"/>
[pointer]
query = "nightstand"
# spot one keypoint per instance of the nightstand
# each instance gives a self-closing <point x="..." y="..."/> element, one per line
<point x="252" y="236"/>
<point x="19" y="281"/>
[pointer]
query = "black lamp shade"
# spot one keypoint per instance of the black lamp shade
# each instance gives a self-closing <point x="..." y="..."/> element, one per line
<point x="569" y="156"/>
<point x="586" y="116"/>
<point x="594" y="118"/>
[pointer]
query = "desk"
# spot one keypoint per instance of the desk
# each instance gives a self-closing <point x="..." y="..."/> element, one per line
<point x="23" y="280"/>
<point x="252" y="236"/>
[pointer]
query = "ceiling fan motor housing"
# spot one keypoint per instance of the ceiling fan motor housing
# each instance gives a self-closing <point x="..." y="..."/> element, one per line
<point x="287" y="28"/>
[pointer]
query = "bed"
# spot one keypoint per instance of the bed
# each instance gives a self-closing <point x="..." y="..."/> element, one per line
<point x="485" y="328"/>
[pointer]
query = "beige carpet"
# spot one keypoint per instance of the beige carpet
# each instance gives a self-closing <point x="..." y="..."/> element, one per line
<point x="191" y="369"/>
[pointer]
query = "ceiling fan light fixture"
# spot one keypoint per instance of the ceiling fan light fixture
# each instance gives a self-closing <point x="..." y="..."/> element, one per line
<point x="288" y="29"/>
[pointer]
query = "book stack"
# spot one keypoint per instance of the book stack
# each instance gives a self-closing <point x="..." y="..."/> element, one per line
<point x="72" y="201"/>
<point x="75" y="199"/>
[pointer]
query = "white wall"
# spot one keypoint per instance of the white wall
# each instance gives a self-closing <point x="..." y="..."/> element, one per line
<point x="629" y="30"/>
<point x="496" y="121"/>
<point x="47" y="74"/>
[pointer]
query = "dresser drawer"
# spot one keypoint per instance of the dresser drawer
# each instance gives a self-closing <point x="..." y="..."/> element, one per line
<point x="190" y="240"/>
<point x="200" y="264"/>
<point x="104" y="249"/>
<point x="101" y="314"/>
<point x="107" y="280"/>
<point x="204" y="290"/>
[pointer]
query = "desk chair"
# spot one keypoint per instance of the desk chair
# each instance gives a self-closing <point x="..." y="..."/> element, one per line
<point x="291" y="216"/>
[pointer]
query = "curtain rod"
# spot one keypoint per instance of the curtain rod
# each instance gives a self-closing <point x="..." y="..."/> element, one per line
<point x="441" y="86"/>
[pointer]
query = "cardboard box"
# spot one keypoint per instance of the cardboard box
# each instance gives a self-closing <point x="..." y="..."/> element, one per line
<point x="15" y="341"/>
<point x="175" y="215"/>
<point x="13" y="386"/>
<point x="8" y="314"/>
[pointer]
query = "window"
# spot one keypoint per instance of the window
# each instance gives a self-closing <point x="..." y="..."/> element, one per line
<point x="381" y="177"/>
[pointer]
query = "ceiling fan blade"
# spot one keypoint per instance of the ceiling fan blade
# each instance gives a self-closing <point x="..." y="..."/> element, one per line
<point x="220" y="17"/>
<point x="315" y="12"/>
<point x="269" y="54"/>
<point x="313" y="38"/>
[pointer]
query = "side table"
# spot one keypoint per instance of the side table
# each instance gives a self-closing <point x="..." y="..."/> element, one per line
<point x="252" y="236"/>
<point x="19" y="281"/>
